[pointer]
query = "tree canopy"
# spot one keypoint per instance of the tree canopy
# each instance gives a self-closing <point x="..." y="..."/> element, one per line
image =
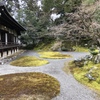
<point x="37" y="18"/>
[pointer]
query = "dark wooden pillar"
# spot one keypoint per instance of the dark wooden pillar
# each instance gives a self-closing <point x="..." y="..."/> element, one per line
<point x="1" y="53"/>
<point x="7" y="51"/>
<point x="11" y="50"/>
<point x="14" y="50"/>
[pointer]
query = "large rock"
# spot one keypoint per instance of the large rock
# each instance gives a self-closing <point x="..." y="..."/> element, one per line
<point x="97" y="58"/>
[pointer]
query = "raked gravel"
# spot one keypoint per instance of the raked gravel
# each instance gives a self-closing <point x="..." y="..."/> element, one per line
<point x="70" y="88"/>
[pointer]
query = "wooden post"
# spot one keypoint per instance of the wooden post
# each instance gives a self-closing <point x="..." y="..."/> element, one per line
<point x="7" y="52"/>
<point x="1" y="53"/>
<point x="11" y="50"/>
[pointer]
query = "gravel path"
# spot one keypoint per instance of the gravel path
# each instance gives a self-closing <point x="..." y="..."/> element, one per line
<point x="70" y="88"/>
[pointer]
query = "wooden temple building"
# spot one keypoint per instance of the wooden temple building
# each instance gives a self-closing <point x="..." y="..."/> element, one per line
<point x="10" y="29"/>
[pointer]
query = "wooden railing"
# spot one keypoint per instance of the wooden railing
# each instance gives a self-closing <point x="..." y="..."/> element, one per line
<point x="8" y="45"/>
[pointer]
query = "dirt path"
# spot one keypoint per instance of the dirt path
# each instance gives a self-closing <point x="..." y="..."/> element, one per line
<point x="70" y="88"/>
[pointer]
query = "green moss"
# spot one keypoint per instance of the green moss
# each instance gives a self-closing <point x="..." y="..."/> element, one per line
<point x="15" y="85"/>
<point x="27" y="61"/>
<point x="80" y="49"/>
<point x="88" y="2"/>
<point x="53" y="55"/>
<point x="44" y="46"/>
<point x="80" y="75"/>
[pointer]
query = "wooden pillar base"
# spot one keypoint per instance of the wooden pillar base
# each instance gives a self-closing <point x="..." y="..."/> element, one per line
<point x="11" y="51"/>
<point x="7" y="52"/>
<point x="1" y="53"/>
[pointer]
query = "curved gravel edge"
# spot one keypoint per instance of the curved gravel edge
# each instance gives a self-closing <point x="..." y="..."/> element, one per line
<point x="70" y="89"/>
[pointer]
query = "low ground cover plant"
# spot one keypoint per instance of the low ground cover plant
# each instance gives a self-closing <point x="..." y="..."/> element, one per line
<point x="28" y="61"/>
<point x="88" y="74"/>
<point x="21" y="85"/>
<point x="53" y="55"/>
<point x="80" y="49"/>
<point x="87" y="70"/>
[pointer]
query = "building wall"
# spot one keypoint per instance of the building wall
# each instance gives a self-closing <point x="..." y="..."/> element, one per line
<point x="8" y="41"/>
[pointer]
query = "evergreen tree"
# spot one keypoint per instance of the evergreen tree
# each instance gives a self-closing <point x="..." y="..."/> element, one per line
<point x="61" y="6"/>
<point x="37" y="21"/>
<point x="34" y="20"/>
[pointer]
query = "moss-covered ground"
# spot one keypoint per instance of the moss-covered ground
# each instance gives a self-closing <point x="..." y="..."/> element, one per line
<point x="53" y="55"/>
<point x="44" y="46"/>
<point x="80" y="74"/>
<point x="28" y="61"/>
<point x="30" y="84"/>
<point x="80" y="49"/>
<point x="88" y="2"/>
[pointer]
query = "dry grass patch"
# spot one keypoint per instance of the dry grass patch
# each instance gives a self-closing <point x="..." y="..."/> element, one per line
<point x="28" y="61"/>
<point x="28" y="85"/>
<point x="53" y="55"/>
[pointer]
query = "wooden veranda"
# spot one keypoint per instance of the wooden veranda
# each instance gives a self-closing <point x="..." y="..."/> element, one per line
<point x="10" y="29"/>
